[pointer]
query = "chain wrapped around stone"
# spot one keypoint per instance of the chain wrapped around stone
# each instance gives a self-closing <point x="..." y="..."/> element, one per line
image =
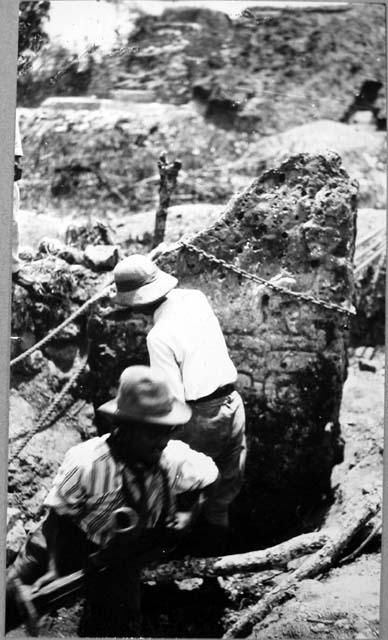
<point x="332" y="306"/>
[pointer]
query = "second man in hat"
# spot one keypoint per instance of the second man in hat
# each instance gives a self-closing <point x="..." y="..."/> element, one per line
<point x="186" y="344"/>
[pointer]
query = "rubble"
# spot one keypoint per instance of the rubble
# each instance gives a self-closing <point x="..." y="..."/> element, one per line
<point x="236" y="67"/>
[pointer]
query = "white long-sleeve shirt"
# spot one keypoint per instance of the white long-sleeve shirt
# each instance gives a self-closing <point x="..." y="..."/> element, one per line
<point x="186" y="344"/>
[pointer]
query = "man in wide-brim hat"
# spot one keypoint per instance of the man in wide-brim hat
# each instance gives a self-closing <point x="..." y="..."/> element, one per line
<point x="186" y="344"/>
<point x="136" y="466"/>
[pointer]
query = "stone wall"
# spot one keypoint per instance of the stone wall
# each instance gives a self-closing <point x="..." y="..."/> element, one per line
<point x="290" y="354"/>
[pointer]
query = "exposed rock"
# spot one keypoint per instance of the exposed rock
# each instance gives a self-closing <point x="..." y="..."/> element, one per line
<point x="101" y="257"/>
<point x="60" y="289"/>
<point x="81" y="236"/>
<point x="299" y="216"/>
<point x="51" y="246"/>
<point x="236" y="67"/>
<point x="72" y="255"/>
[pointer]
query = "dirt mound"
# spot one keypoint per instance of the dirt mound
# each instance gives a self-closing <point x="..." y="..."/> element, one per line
<point x="363" y="154"/>
<point x="343" y="605"/>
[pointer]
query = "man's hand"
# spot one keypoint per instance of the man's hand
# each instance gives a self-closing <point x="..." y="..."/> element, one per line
<point x="182" y="522"/>
<point x="47" y="577"/>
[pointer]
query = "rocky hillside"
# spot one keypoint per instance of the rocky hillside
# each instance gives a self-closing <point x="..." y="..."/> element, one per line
<point x="268" y="69"/>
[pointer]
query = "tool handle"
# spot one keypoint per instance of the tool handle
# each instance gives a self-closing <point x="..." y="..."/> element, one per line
<point x="125" y="521"/>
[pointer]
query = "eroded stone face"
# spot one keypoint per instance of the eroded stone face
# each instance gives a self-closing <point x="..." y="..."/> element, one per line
<point x="290" y="354"/>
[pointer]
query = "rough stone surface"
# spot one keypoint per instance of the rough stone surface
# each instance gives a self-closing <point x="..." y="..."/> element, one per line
<point x="290" y="354"/>
<point x="60" y="289"/>
<point x="83" y="235"/>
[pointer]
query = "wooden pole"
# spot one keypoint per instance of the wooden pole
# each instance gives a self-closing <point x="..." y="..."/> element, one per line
<point x="168" y="180"/>
<point x="271" y="558"/>
<point x="317" y="563"/>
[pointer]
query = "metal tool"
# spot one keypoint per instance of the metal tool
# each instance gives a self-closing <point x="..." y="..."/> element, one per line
<point x="33" y="604"/>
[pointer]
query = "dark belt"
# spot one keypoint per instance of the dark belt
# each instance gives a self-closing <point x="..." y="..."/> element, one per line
<point x="218" y="393"/>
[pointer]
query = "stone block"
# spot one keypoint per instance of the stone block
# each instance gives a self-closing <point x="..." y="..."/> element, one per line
<point x="292" y="351"/>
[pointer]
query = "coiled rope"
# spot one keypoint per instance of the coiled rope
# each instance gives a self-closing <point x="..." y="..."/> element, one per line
<point x="48" y="413"/>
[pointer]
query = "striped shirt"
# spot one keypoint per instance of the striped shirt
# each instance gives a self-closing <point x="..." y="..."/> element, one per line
<point x="89" y="484"/>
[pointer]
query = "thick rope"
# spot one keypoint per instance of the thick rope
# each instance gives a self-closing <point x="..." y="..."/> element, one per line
<point x="47" y="415"/>
<point x="59" y="328"/>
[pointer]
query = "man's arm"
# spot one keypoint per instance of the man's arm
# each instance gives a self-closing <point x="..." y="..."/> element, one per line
<point x="192" y="475"/>
<point x="189" y="470"/>
<point x="65" y="499"/>
<point x="51" y="530"/>
<point x="163" y="360"/>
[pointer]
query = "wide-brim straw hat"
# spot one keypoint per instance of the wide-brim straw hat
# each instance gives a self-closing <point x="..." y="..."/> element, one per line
<point x="139" y="282"/>
<point x="143" y="395"/>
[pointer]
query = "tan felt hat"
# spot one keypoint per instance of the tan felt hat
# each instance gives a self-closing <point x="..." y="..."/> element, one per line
<point x="144" y="395"/>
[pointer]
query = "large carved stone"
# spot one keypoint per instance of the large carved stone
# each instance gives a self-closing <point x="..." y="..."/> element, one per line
<point x="290" y="354"/>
